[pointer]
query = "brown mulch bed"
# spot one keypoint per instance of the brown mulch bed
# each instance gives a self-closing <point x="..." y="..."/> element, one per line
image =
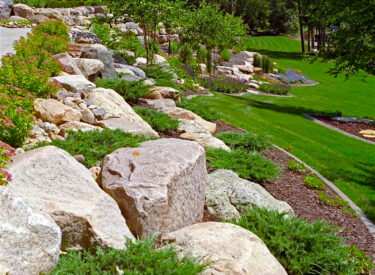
<point x="305" y="203"/>
<point x="351" y="127"/>
<point x="222" y="127"/>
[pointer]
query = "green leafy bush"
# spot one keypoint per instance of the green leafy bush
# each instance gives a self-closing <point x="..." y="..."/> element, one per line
<point x="258" y="60"/>
<point x="130" y="91"/>
<point x="275" y="88"/>
<point x="225" y="55"/>
<point x="157" y="72"/>
<point x="314" y="182"/>
<point x="16" y="108"/>
<point x="6" y="152"/>
<point x="131" y="43"/>
<point x="247" y="141"/>
<point x="223" y="84"/>
<point x="141" y="257"/>
<point x="302" y="247"/>
<point x="103" y="31"/>
<point x="174" y="46"/>
<point x="158" y="121"/>
<point x="95" y="145"/>
<point x="185" y="54"/>
<point x="248" y="165"/>
<point x="296" y="167"/>
<point x="200" y="108"/>
<point x="201" y="55"/>
<point x="267" y="64"/>
<point x="53" y="28"/>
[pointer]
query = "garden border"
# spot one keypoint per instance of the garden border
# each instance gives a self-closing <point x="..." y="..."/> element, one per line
<point x="369" y="225"/>
<point x="254" y="92"/>
<point x="308" y="116"/>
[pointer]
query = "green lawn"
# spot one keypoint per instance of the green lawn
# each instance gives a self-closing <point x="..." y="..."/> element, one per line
<point x="348" y="162"/>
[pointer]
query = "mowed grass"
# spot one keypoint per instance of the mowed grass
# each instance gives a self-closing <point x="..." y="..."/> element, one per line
<point x="348" y="162"/>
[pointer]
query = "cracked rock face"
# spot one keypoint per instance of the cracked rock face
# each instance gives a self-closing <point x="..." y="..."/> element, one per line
<point x="227" y="195"/>
<point x="158" y="186"/>
<point x="51" y="180"/>
<point x="29" y="240"/>
<point x="228" y="248"/>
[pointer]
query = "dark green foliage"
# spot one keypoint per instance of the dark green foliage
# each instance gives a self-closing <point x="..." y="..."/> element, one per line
<point x="225" y="55"/>
<point x="302" y="247"/>
<point x="158" y="121"/>
<point x="95" y="145"/>
<point x="314" y="182"/>
<point x="267" y="64"/>
<point x="141" y="257"/>
<point x="200" y="108"/>
<point x="201" y="55"/>
<point x="296" y="167"/>
<point x="258" y="60"/>
<point x="185" y="53"/>
<point x="157" y="72"/>
<point x="247" y="141"/>
<point x="248" y="165"/>
<point x="275" y="88"/>
<point x="61" y="4"/>
<point x="223" y="84"/>
<point x="130" y="91"/>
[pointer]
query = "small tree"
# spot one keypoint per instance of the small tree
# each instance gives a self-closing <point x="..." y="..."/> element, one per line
<point x="210" y="26"/>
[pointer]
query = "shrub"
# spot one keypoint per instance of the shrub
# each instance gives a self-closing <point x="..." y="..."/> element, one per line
<point x="15" y="115"/>
<point x="53" y="28"/>
<point x="130" y="91"/>
<point x="314" y="182"/>
<point x="132" y="43"/>
<point x="130" y="60"/>
<point x="225" y="55"/>
<point x="267" y="64"/>
<point x="302" y="247"/>
<point x="258" y="60"/>
<point x="296" y="167"/>
<point x="201" y="55"/>
<point x="223" y="84"/>
<point x="275" y="88"/>
<point x="141" y="257"/>
<point x="103" y="31"/>
<point x="248" y="165"/>
<point x="158" y="121"/>
<point x="174" y="46"/>
<point x="200" y="108"/>
<point x="6" y="152"/>
<point x="157" y="72"/>
<point x="185" y="54"/>
<point x="247" y="141"/>
<point x="95" y="145"/>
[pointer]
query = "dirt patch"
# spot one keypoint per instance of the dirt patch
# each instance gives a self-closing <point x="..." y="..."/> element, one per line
<point x="305" y="203"/>
<point x="140" y="103"/>
<point x="351" y="127"/>
<point x="191" y="92"/>
<point x="222" y="127"/>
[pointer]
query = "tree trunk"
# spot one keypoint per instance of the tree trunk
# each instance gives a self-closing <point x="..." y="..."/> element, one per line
<point x="209" y="60"/>
<point x="301" y="26"/>
<point x="308" y="40"/>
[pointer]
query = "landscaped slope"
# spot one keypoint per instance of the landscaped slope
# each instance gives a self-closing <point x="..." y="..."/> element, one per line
<point x="348" y="162"/>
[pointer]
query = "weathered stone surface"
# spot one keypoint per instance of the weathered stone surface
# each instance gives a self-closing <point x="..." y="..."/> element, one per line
<point x="89" y="66"/>
<point x="192" y="126"/>
<point x="228" y="248"/>
<point x="116" y="107"/>
<point x="159" y="60"/>
<point x="29" y="240"/>
<point x="205" y="140"/>
<point x="67" y="64"/>
<point x="157" y="92"/>
<point x="88" y="116"/>
<point x="137" y="71"/>
<point x="76" y="125"/>
<point x="227" y="195"/>
<point x="54" y="111"/>
<point x="98" y="51"/>
<point x="131" y="77"/>
<point x="125" y="125"/>
<point x="75" y="83"/>
<point x="179" y="113"/>
<point x="51" y="180"/>
<point x="161" y="103"/>
<point x="157" y="189"/>
<point x="23" y="10"/>
<point x="38" y="18"/>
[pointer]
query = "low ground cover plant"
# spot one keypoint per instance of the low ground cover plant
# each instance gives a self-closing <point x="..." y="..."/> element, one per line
<point x="6" y="152"/>
<point x="130" y="91"/>
<point x="95" y="145"/>
<point x="314" y="182"/>
<point x="336" y="201"/>
<point x="309" y="248"/>
<point x="246" y="141"/>
<point x="275" y="88"/>
<point x="223" y="84"/>
<point x="141" y="257"/>
<point x="248" y="165"/>
<point x="157" y="72"/>
<point x="297" y="167"/>
<point x="158" y="121"/>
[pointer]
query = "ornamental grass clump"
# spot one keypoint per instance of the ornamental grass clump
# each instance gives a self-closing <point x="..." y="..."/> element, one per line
<point x="158" y="121"/>
<point x="246" y="141"/>
<point x="223" y="84"/>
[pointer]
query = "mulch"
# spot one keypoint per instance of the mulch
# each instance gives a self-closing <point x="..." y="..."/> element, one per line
<point x="305" y="203"/>
<point x="222" y="127"/>
<point x="351" y="127"/>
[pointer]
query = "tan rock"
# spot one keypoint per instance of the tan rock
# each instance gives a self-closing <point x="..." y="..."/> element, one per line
<point x="77" y="125"/>
<point x="158" y="92"/>
<point x="75" y="83"/>
<point x="22" y="10"/>
<point x="228" y="248"/>
<point x="367" y="132"/>
<point x="205" y="140"/>
<point x="67" y="63"/>
<point x="157" y="189"/>
<point x="51" y="180"/>
<point x="54" y="111"/>
<point x="89" y="66"/>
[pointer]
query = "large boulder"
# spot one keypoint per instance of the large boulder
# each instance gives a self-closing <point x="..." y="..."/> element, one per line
<point x="88" y="66"/>
<point x="137" y="71"/>
<point x="157" y="92"/>
<point x="116" y="107"/>
<point x="179" y="113"/>
<point x="98" y="51"/>
<point x="51" y="180"/>
<point x="228" y="248"/>
<point x="67" y="64"/>
<point x="157" y="189"/>
<point x="29" y="240"/>
<point x="227" y="195"/>
<point x="79" y="126"/>
<point x="23" y="10"/>
<point x="160" y="103"/>
<point x="206" y="140"/>
<point x="75" y="83"/>
<point x="54" y="111"/>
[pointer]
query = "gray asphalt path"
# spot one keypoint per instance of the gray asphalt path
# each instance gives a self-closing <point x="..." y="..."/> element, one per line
<point x="9" y="36"/>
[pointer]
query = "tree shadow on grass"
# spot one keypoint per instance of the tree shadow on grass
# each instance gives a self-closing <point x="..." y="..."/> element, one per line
<point x="281" y="55"/>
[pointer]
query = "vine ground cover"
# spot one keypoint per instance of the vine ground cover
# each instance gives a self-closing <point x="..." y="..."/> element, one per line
<point x="349" y="163"/>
